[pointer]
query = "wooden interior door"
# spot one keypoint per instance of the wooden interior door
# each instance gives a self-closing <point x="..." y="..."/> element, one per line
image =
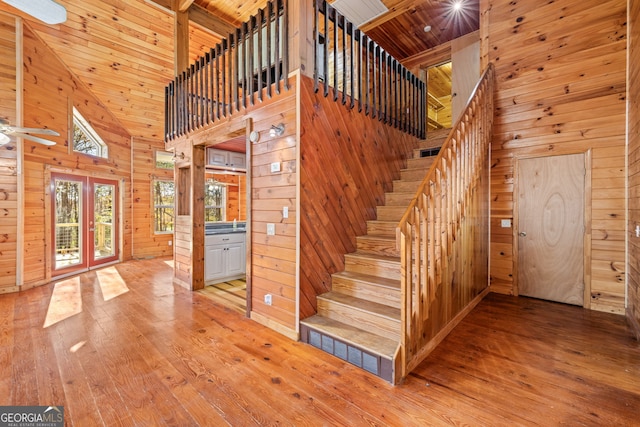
<point x="551" y="228"/>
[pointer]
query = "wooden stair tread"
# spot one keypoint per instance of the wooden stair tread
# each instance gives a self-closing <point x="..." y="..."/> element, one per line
<point x="380" y="237"/>
<point x="378" y="309"/>
<point x="393" y="284"/>
<point x="376" y="257"/>
<point x="352" y="335"/>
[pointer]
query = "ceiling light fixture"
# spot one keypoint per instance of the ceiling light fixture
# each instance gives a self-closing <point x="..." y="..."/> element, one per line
<point x="457" y="5"/>
<point x="427" y="28"/>
<point x="4" y="139"/>
<point x="48" y="11"/>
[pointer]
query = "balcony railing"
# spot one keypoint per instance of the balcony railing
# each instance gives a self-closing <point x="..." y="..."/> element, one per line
<point x="249" y="64"/>
<point x="361" y="72"/>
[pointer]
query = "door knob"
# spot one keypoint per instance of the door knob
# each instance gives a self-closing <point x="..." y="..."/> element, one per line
<point x="522" y="233"/>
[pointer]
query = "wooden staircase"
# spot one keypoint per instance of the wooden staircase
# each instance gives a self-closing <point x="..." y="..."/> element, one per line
<point x="359" y="320"/>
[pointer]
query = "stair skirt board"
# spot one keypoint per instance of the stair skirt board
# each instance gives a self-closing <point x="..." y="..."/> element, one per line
<point x="373" y="363"/>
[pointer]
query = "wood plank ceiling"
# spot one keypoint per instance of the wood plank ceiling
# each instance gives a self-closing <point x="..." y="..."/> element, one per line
<point x="124" y="50"/>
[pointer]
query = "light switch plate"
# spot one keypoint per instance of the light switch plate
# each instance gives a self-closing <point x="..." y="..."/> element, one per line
<point x="506" y="223"/>
<point x="285" y="212"/>
<point x="271" y="229"/>
<point x="275" y="167"/>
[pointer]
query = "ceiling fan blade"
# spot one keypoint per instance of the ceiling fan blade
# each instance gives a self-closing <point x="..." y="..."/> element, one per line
<point x="14" y="129"/>
<point x="48" y="11"/>
<point x="34" y="138"/>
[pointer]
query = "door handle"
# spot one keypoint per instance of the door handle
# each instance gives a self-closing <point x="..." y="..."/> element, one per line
<point x="522" y="233"/>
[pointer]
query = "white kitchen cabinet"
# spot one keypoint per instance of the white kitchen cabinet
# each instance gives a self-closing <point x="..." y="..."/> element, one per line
<point x="221" y="159"/>
<point x="225" y="257"/>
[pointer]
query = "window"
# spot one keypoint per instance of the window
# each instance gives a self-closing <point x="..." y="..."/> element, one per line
<point x="85" y="139"/>
<point x="164" y="160"/>
<point x="215" y="195"/>
<point x="163" y="205"/>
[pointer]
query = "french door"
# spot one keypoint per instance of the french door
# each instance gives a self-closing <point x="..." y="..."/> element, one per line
<point x="85" y="223"/>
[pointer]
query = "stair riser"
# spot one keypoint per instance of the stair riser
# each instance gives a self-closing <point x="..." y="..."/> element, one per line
<point x="388" y="328"/>
<point x="406" y="186"/>
<point x="413" y="174"/>
<point x="381" y="228"/>
<point x="374" y="267"/>
<point x="398" y="199"/>
<point x="391" y="213"/>
<point x="367" y="290"/>
<point x="420" y="163"/>
<point x="378" y="247"/>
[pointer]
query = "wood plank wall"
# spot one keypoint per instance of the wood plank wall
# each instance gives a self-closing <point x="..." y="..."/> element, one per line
<point x="8" y="158"/>
<point x="633" y="305"/>
<point x="49" y="91"/>
<point x="146" y="243"/>
<point x="560" y="70"/>
<point x="273" y="268"/>
<point x="348" y="161"/>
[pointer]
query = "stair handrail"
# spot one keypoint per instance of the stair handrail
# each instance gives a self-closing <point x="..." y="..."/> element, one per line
<point x="432" y="223"/>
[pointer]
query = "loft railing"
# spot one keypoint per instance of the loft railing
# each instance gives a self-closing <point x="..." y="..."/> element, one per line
<point x="250" y="61"/>
<point x="360" y="71"/>
<point x="444" y="232"/>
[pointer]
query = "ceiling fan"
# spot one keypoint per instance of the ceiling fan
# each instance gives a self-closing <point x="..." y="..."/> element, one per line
<point x="6" y="130"/>
<point x="48" y="11"/>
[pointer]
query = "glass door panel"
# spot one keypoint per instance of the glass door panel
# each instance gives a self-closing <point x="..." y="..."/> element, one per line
<point x="68" y="223"/>
<point x="103" y="224"/>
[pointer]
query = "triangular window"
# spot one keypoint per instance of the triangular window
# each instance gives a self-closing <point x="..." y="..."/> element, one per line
<point x="85" y="139"/>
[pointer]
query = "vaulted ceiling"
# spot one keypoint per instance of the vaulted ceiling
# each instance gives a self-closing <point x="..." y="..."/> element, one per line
<point x="124" y="50"/>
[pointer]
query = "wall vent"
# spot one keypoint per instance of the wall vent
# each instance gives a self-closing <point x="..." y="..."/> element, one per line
<point x="428" y="152"/>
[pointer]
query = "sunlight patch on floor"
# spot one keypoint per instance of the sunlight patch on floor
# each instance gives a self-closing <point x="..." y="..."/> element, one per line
<point x="111" y="283"/>
<point x="65" y="301"/>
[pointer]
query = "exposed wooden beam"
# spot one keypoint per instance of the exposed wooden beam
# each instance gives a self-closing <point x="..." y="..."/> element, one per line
<point x="184" y="5"/>
<point x="201" y="16"/>
<point x="181" y="42"/>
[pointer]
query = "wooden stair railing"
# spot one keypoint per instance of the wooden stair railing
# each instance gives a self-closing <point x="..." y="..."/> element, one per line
<point x="443" y="235"/>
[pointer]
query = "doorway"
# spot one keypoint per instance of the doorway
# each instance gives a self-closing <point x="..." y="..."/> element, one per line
<point x="551" y="228"/>
<point x="84" y="218"/>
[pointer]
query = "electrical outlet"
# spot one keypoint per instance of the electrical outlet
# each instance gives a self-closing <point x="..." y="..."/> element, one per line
<point x="505" y="223"/>
<point x="268" y="299"/>
<point x="285" y="212"/>
<point x="271" y="229"/>
<point x="275" y="167"/>
<point x="170" y="243"/>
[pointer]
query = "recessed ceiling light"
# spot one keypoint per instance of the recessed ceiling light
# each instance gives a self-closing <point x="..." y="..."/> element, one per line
<point x="427" y="28"/>
<point x="457" y="5"/>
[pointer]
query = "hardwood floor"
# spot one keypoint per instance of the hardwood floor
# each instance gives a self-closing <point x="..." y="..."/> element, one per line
<point x="124" y="346"/>
<point x="231" y="294"/>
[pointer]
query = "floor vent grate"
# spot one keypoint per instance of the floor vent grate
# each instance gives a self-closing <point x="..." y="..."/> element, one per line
<point x="349" y="353"/>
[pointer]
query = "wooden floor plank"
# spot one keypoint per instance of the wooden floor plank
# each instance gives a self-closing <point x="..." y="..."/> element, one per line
<point x="157" y="354"/>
